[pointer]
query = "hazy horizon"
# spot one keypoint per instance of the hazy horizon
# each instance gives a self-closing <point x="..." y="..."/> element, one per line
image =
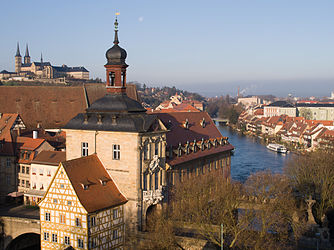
<point x="271" y="47"/>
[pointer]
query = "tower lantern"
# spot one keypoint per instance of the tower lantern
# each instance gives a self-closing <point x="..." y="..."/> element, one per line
<point x="116" y="66"/>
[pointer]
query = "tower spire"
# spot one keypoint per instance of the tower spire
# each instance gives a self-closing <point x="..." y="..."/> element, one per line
<point x="41" y="58"/>
<point x="18" y="50"/>
<point x="116" y="30"/>
<point x="27" y="50"/>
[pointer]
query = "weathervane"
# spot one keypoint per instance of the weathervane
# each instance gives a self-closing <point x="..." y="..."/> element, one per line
<point x="116" y="23"/>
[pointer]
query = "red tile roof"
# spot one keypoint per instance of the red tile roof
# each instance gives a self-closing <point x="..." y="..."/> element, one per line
<point x="28" y="143"/>
<point x="89" y="170"/>
<point x="179" y="134"/>
<point x="50" y="157"/>
<point x="7" y="121"/>
<point x="51" y="106"/>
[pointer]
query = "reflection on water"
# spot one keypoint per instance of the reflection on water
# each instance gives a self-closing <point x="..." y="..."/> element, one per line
<point x="251" y="156"/>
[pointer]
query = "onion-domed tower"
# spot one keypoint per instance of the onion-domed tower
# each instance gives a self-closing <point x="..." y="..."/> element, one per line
<point x="116" y="66"/>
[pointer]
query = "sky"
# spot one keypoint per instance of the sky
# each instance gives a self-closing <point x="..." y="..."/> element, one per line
<point x="213" y="47"/>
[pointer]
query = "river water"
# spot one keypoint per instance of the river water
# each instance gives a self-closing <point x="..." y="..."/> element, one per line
<point x="250" y="155"/>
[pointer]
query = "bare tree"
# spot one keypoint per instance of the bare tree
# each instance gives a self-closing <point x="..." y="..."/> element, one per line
<point x="312" y="174"/>
<point x="275" y="224"/>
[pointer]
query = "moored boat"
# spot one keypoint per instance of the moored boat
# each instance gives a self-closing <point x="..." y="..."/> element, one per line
<point x="277" y="148"/>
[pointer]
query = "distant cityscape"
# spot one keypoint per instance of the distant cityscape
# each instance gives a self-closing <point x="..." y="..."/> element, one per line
<point x="121" y="165"/>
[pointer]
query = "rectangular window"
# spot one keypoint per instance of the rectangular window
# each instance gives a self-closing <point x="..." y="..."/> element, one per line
<point x="18" y="169"/>
<point x="23" y="169"/>
<point x="22" y="183"/>
<point x="41" y="171"/>
<point x="48" y="172"/>
<point x="28" y="155"/>
<point x="114" y="234"/>
<point x="92" y="243"/>
<point x="80" y="243"/>
<point x="145" y="151"/>
<point x="144" y="181"/>
<point x="27" y="170"/>
<point x="156" y="148"/>
<point x="33" y="171"/>
<point x="62" y="219"/>
<point x="116" y="154"/>
<point x="67" y="240"/>
<point x="61" y="185"/>
<point x="115" y="214"/>
<point x="156" y="180"/>
<point x="54" y="237"/>
<point x="84" y="149"/>
<point x="69" y="203"/>
<point x="55" y="201"/>
<point x="47" y="217"/>
<point x="8" y="162"/>
<point x="77" y="222"/>
<point x="93" y="221"/>
<point x="27" y="184"/>
<point x="46" y="236"/>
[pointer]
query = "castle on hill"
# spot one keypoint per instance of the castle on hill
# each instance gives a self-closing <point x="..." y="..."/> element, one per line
<point x="41" y="70"/>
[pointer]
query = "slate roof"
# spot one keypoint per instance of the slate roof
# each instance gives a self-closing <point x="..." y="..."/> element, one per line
<point x="50" y="157"/>
<point x="51" y="106"/>
<point x="69" y="69"/>
<point x="281" y="104"/>
<point x="140" y="122"/>
<point x="90" y="170"/>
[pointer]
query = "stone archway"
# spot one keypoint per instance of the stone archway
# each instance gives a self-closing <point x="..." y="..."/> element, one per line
<point x="27" y="241"/>
<point x="151" y="212"/>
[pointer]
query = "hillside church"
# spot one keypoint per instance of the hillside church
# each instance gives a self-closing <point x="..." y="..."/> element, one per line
<point x="41" y="70"/>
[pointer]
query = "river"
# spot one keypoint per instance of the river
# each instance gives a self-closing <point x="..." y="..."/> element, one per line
<point x="251" y="156"/>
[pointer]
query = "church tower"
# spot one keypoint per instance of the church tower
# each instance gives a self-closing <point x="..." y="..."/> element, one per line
<point x="27" y="57"/>
<point x="18" y="60"/>
<point x="116" y="66"/>
<point x="130" y="143"/>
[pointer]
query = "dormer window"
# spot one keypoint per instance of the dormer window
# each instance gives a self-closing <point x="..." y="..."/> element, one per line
<point x="85" y="184"/>
<point x="203" y="124"/>
<point x="104" y="180"/>
<point x="186" y="124"/>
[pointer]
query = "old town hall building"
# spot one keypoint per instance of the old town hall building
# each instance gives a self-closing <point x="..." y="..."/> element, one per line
<point x="143" y="153"/>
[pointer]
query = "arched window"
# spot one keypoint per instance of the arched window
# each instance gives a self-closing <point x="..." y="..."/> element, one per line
<point x="112" y="78"/>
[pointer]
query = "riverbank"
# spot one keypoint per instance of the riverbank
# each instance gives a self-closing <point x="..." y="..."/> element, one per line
<point x="266" y="139"/>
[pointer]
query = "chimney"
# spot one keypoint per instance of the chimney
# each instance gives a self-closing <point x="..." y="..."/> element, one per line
<point x="35" y="134"/>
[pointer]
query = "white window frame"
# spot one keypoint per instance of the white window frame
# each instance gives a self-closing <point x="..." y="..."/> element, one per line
<point x="84" y="148"/>
<point x="9" y="162"/>
<point x="116" y="152"/>
<point x="93" y="221"/>
<point x="114" y="234"/>
<point x="115" y="214"/>
<point x="54" y="238"/>
<point x="47" y="216"/>
<point x="46" y="236"/>
<point x="77" y="222"/>
<point x="67" y="240"/>
<point x="80" y="243"/>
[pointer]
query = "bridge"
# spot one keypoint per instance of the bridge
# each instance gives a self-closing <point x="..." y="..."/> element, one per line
<point x="222" y="121"/>
<point x="19" y="228"/>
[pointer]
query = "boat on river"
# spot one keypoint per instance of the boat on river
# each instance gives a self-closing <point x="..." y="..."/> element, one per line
<point x="277" y="148"/>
